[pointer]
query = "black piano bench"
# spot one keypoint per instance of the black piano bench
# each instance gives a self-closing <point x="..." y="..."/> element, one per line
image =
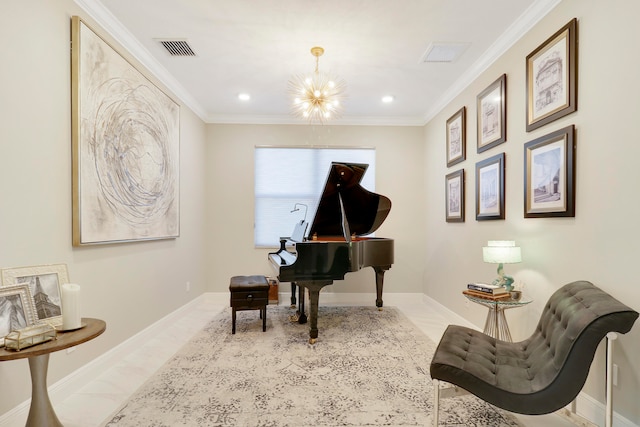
<point x="249" y="293"/>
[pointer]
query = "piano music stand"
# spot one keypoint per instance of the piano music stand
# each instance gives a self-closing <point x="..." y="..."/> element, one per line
<point x="299" y="230"/>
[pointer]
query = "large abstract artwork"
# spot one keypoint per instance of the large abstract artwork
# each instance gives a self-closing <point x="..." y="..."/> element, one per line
<point x="126" y="135"/>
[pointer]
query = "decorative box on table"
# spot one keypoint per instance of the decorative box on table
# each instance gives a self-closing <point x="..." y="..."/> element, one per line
<point x="31" y="335"/>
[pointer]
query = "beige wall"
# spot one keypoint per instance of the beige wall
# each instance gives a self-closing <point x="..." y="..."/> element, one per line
<point x="134" y="285"/>
<point x="230" y="198"/>
<point x="129" y="285"/>
<point x="601" y="244"/>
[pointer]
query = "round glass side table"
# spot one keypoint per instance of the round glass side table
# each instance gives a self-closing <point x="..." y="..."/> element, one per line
<point x="496" y="324"/>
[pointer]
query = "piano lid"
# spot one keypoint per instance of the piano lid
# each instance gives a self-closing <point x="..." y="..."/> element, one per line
<point x="365" y="211"/>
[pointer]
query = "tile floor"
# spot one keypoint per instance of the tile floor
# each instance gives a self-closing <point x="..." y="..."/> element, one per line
<point x="94" y="403"/>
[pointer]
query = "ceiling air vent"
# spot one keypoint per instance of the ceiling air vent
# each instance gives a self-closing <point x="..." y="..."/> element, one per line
<point x="177" y="47"/>
<point x="444" y="52"/>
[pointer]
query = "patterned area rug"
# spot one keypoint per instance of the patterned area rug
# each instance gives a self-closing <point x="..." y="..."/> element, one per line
<point x="368" y="368"/>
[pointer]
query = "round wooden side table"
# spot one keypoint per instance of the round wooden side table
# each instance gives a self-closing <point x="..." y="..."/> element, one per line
<point x="41" y="413"/>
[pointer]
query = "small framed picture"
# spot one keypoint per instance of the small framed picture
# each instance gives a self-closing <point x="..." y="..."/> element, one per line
<point x="17" y="309"/>
<point x="454" y="196"/>
<point x="490" y="188"/>
<point x="457" y="137"/>
<point x="549" y="165"/>
<point x="552" y="71"/>
<point x="492" y="114"/>
<point x="44" y="282"/>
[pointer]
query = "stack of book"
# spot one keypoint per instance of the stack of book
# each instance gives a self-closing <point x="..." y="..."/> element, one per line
<point x="486" y="291"/>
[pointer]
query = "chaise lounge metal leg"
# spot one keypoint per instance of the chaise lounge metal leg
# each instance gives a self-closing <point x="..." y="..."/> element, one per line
<point x="436" y="401"/>
<point x="572" y="414"/>
<point x="608" y="420"/>
<point x="444" y="393"/>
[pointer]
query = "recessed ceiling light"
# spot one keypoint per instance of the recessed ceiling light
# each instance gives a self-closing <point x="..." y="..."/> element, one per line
<point x="388" y="98"/>
<point x="244" y="96"/>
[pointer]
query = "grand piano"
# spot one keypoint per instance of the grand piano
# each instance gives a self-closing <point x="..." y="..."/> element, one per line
<point x="337" y="242"/>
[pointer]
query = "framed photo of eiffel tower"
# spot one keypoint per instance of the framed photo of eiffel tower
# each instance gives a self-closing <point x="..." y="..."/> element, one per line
<point x="44" y="282"/>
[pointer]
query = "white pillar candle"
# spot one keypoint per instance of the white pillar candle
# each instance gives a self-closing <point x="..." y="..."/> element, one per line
<point x="70" y="306"/>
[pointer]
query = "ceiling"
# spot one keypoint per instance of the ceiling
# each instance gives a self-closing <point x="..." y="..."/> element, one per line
<point x="375" y="46"/>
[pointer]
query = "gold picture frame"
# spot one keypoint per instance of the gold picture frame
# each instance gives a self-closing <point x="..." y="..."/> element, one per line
<point x="549" y="164"/>
<point x="45" y="284"/>
<point x="552" y="74"/>
<point x="490" y="188"/>
<point x="457" y="137"/>
<point x="492" y="114"/>
<point x="125" y="147"/>
<point x="454" y="196"/>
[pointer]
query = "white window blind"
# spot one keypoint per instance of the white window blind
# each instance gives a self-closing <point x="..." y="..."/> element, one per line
<point x="285" y="176"/>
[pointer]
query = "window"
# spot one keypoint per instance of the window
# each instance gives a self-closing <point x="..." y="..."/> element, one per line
<point x="285" y="176"/>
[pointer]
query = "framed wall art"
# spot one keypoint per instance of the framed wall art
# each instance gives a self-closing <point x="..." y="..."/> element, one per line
<point x="454" y="196"/>
<point x="549" y="175"/>
<point x="125" y="147"/>
<point x="457" y="137"/>
<point x="44" y="282"/>
<point x="490" y="188"/>
<point x="492" y="114"/>
<point x="16" y="309"/>
<point x="552" y="73"/>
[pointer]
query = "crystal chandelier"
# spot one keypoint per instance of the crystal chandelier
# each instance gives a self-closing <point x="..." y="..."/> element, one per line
<point x="317" y="97"/>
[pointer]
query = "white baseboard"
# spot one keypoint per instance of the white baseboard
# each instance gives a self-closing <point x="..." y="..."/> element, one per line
<point x="451" y="316"/>
<point x="587" y="407"/>
<point x="73" y="382"/>
<point x="594" y="411"/>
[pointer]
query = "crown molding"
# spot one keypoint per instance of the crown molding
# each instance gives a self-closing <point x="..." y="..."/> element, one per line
<point x="96" y="10"/>
<point x="515" y="32"/>
<point x="101" y="15"/>
<point x="289" y="120"/>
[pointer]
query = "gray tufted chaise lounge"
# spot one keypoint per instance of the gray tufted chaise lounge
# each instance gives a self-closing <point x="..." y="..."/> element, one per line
<point x="542" y="373"/>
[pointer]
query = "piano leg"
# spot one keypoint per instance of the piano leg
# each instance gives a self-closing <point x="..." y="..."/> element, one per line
<point x="300" y="316"/>
<point x="301" y="313"/>
<point x="314" y="288"/>
<point x="379" y="283"/>
<point x="293" y="294"/>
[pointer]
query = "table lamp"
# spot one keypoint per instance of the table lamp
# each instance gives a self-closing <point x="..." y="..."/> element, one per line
<point x="502" y="252"/>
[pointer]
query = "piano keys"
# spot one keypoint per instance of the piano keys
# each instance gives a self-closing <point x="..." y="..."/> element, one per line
<point x="338" y="242"/>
